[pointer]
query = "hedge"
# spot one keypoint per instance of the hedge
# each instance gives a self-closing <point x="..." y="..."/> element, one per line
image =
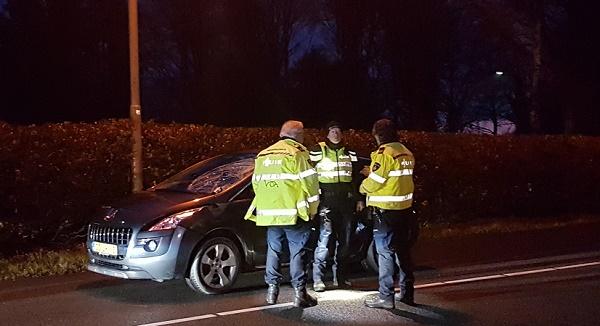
<point x="55" y="176"/>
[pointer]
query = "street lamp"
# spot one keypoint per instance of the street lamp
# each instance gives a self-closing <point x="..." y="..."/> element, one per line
<point x="135" y="109"/>
<point x="499" y="73"/>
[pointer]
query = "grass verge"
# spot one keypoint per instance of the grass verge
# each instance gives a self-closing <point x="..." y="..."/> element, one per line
<point x="43" y="263"/>
<point x="506" y="225"/>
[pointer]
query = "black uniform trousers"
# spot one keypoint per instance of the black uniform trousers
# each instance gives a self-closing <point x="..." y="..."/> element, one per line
<point x="336" y="226"/>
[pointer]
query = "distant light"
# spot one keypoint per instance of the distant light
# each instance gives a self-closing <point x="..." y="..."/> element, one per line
<point x="499" y="73"/>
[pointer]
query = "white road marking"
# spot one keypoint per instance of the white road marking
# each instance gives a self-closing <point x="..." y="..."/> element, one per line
<point x="224" y="313"/>
<point x="418" y="286"/>
<point x="473" y="279"/>
<point x="182" y="320"/>
<point x="241" y="311"/>
<point x="544" y="270"/>
<point x="579" y="265"/>
<point x="503" y="275"/>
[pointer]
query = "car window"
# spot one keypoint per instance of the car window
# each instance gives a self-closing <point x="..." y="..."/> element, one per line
<point x="209" y="179"/>
<point x="221" y="178"/>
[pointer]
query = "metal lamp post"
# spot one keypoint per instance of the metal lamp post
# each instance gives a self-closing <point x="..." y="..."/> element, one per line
<point x="135" y="109"/>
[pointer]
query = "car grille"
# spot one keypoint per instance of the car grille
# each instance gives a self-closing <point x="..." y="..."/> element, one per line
<point x="118" y="236"/>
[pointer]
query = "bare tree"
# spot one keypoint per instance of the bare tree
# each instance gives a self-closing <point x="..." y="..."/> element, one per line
<point x="521" y="31"/>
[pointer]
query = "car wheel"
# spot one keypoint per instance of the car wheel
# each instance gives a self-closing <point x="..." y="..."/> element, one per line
<point x="372" y="258"/>
<point x="215" y="267"/>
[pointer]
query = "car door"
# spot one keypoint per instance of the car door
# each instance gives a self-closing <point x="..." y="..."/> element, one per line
<point x="254" y="236"/>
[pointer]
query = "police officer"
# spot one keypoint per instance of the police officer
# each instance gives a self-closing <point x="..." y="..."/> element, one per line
<point x="335" y="166"/>
<point x="287" y="197"/>
<point x="389" y="188"/>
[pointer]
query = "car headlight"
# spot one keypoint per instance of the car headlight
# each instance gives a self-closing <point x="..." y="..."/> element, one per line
<point x="172" y="221"/>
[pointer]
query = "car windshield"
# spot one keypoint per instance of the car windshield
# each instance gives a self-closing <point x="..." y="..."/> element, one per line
<point x="212" y="181"/>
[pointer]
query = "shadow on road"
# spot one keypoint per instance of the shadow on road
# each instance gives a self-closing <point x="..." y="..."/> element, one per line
<point x="142" y="292"/>
<point x="429" y="315"/>
<point x="169" y="292"/>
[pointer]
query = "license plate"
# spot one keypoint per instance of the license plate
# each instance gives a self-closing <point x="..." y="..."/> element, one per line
<point x="106" y="249"/>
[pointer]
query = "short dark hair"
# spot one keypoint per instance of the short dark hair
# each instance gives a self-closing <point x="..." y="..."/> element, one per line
<point x="386" y="130"/>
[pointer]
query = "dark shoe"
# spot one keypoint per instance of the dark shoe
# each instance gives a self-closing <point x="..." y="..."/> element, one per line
<point x="408" y="300"/>
<point x="272" y="293"/>
<point x="377" y="302"/>
<point x="319" y="286"/>
<point x="303" y="299"/>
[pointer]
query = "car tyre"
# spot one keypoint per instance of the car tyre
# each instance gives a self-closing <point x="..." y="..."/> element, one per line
<point x="215" y="267"/>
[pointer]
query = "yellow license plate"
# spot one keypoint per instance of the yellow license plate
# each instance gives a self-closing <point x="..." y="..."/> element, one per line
<point x="106" y="249"/>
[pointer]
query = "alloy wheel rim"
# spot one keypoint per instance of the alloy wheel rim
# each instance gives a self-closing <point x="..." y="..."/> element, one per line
<point x="218" y="266"/>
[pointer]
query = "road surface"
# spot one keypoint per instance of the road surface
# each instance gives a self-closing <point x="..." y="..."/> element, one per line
<point x="549" y="277"/>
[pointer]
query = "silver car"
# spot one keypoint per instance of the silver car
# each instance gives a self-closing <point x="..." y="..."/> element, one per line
<point x="190" y="227"/>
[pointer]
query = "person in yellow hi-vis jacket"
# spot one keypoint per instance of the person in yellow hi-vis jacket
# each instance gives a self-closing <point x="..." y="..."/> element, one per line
<point x="337" y="167"/>
<point x="389" y="188"/>
<point x="287" y="198"/>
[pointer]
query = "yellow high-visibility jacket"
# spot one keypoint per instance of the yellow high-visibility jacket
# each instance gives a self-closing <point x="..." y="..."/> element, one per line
<point x="285" y="184"/>
<point x="333" y="165"/>
<point x="390" y="182"/>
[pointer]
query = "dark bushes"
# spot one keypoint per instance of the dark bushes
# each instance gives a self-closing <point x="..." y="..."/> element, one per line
<point x="54" y="176"/>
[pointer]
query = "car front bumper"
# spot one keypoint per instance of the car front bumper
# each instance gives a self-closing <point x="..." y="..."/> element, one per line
<point x="138" y="262"/>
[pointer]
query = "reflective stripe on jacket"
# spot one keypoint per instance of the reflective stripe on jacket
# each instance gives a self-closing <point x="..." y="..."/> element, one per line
<point x="333" y="165"/>
<point x="390" y="181"/>
<point x="285" y="185"/>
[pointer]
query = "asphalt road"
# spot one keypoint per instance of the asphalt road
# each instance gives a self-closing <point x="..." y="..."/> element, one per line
<point x="530" y="278"/>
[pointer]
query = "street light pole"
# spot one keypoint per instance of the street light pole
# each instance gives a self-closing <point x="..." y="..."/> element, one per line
<point x="135" y="109"/>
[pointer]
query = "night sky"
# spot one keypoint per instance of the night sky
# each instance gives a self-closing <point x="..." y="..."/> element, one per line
<point x="429" y="65"/>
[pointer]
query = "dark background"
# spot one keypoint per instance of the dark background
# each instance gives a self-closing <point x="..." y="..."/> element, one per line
<point x="431" y="65"/>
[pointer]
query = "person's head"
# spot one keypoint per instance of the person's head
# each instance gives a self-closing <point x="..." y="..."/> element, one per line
<point x="293" y="129"/>
<point x="384" y="131"/>
<point x="334" y="132"/>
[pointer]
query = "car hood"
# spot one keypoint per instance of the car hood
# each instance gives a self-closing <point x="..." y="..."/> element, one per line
<point x="141" y="208"/>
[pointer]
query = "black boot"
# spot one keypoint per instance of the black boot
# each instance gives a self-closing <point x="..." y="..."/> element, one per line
<point x="303" y="299"/>
<point x="272" y="293"/>
<point x="406" y="296"/>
